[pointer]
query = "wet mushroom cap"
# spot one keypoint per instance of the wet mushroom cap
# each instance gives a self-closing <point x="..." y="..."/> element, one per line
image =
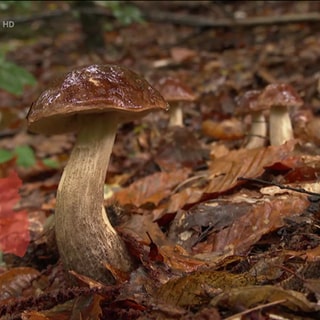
<point x="173" y="90"/>
<point x="280" y="98"/>
<point x="279" y="95"/>
<point x="92" y="89"/>
<point x="247" y="103"/>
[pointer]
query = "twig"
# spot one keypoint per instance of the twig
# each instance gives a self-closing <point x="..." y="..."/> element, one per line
<point x="182" y="19"/>
<point x="259" y="307"/>
<point x="281" y="186"/>
<point x="200" y="21"/>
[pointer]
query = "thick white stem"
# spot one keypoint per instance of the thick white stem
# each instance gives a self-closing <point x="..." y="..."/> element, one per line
<point x="258" y="131"/>
<point x="176" y="116"/>
<point x="86" y="240"/>
<point x="280" y="129"/>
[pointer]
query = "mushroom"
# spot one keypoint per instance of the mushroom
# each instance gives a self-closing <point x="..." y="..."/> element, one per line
<point x="175" y="92"/>
<point x="248" y="105"/>
<point x="92" y="100"/>
<point x="279" y="98"/>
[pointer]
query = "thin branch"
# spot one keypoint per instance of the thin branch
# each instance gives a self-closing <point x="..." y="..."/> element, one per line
<point x="280" y="186"/>
<point x="200" y="21"/>
<point x="182" y="19"/>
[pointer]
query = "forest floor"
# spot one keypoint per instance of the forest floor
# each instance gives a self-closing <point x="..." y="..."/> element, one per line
<point x="218" y="230"/>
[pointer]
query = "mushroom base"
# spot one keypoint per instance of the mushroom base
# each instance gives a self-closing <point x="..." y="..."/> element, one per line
<point x="87" y="242"/>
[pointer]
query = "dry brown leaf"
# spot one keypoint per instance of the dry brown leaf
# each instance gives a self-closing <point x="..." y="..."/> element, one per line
<point x="314" y="286"/>
<point x="179" y="200"/>
<point x="59" y="312"/>
<point x="189" y="227"/>
<point x="230" y="129"/>
<point x="194" y="289"/>
<point x="251" y="296"/>
<point x="225" y="171"/>
<point x="180" y="148"/>
<point x="310" y="255"/>
<point x="151" y="189"/>
<point x="177" y="258"/>
<point x="34" y="315"/>
<point x="87" y="307"/>
<point x="275" y="190"/>
<point x="142" y="228"/>
<point x="181" y="54"/>
<point x="263" y="218"/>
<point x="13" y="282"/>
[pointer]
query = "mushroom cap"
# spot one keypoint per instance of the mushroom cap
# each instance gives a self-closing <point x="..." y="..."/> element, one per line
<point x="279" y="95"/>
<point x="174" y="90"/>
<point x="248" y="103"/>
<point x="93" y="89"/>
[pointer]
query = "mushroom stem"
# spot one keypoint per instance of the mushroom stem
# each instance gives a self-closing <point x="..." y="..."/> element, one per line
<point x="86" y="240"/>
<point x="258" y="131"/>
<point x="176" y="115"/>
<point x="280" y="127"/>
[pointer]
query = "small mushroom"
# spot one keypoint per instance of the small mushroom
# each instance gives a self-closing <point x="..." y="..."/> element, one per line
<point x="279" y="98"/>
<point x="91" y="100"/>
<point x="248" y="105"/>
<point x="175" y="92"/>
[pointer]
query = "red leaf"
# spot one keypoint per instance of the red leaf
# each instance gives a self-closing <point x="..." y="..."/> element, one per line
<point x="14" y="225"/>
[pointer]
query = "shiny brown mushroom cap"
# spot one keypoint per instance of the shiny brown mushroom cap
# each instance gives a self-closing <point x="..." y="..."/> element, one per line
<point x="93" y="89"/>
<point x="279" y="95"/>
<point x="248" y="103"/>
<point x="174" y="90"/>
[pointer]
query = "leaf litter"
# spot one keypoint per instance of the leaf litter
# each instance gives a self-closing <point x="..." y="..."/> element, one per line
<point x="198" y="232"/>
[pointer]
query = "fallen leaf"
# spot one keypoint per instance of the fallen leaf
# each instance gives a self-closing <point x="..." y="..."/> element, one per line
<point x="151" y="189"/>
<point x="178" y="201"/>
<point x="230" y="129"/>
<point x="180" y="54"/>
<point x="177" y="258"/>
<point x="264" y="217"/>
<point x="251" y="296"/>
<point x="225" y="171"/>
<point x="14" y="281"/>
<point x="87" y="307"/>
<point x="180" y="148"/>
<point x="189" y="227"/>
<point x="193" y="289"/>
<point x="59" y="312"/>
<point x="143" y="227"/>
<point x="14" y="225"/>
<point x="146" y="231"/>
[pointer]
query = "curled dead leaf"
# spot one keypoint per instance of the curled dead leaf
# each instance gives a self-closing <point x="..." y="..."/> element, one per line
<point x="251" y="296"/>
<point x="197" y="288"/>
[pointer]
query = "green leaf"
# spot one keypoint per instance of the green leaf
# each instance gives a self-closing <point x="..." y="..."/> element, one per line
<point x="123" y="12"/>
<point x="13" y="78"/>
<point x="25" y="156"/>
<point x="5" y="155"/>
<point x="50" y="163"/>
<point x="15" y="5"/>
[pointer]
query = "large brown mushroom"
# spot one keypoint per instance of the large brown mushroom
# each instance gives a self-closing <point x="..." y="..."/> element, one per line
<point x="175" y="92"/>
<point x="279" y="98"/>
<point x="92" y="100"/>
